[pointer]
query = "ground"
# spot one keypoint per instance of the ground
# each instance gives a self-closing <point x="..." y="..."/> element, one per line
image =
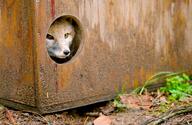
<point x="141" y="109"/>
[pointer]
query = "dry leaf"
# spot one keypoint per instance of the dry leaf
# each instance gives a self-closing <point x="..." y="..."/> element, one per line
<point x="103" y="120"/>
<point x="136" y="101"/>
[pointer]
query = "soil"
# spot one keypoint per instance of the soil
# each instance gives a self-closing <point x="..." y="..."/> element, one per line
<point x="134" y="115"/>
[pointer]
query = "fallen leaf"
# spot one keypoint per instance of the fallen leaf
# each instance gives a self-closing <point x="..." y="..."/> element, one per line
<point x="137" y="101"/>
<point x="102" y="120"/>
<point x="9" y="116"/>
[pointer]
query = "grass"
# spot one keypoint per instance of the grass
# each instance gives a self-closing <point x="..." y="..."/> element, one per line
<point x="177" y="87"/>
<point x="118" y="104"/>
<point x="117" y="100"/>
<point x="154" y="79"/>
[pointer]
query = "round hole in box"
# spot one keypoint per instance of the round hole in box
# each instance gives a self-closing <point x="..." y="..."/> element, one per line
<point x="64" y="38"/>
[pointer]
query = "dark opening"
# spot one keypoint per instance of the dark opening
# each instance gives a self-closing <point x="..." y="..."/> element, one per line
<point x="76" y="42"/>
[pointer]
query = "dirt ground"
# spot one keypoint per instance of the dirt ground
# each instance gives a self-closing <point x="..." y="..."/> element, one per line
<point x="78" y="116"/>
<point x="101" y="114"/>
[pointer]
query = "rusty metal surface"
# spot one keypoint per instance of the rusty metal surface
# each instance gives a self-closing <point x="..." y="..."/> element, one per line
<point x="125" y="42"/>
<point x="16" y="57"/>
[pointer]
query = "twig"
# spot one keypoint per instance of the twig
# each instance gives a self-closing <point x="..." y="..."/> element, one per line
<point x="42" y="118"/>
<point x="169" y="114"/>
<point x="93" y="114"/>
<point x="86" y="120"/>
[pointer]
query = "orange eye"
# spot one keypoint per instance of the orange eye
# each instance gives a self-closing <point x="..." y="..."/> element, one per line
<point x="66" y="35"/>
<point x="50" y="37"/>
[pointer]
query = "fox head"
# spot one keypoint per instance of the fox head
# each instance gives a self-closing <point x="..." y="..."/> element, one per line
<point x="59" y="39"/>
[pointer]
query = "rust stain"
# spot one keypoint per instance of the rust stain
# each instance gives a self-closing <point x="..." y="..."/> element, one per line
<point x="8" y="15"/>
<point x="135" y="79"/>
<point x="27" y="78"/>
<point x="52" y="8"/>
<point x="179" y="19"/>
<point x="187" y="1"/>
<point x="16" y="52"/>
<point x="10" y="3"/>
<point x="142" y="74"/>
<point x="139" y="76"/>
<point x="64" y="75"/>
<point x="179" y="24"/>
<point x="167" y="4"/>
<point x="126" y="79"/>
<point x="135" y="83"/>
<point x="56" y="81"/>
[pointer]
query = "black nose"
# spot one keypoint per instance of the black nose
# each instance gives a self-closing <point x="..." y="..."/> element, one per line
<point x="66" y="52"/>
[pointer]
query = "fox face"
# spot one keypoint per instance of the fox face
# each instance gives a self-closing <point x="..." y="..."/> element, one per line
<point x="59" y="39"/>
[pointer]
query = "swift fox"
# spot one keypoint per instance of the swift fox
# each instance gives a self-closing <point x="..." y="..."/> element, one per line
<point x="59" y="39"/>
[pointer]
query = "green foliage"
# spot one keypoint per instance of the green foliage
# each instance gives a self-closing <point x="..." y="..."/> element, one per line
<point x="117" y="100"/>
<point x="118" y="104"/>
<point x="178" y="87"/>
<point x="154" y="79"/>
<point x="163" y="107"/>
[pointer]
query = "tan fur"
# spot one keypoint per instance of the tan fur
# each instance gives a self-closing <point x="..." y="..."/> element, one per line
<point x="62" y="34"/>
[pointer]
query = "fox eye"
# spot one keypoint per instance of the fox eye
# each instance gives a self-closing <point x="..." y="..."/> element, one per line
<point x="49" y="37"/>
<point x="66" y="35"/>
